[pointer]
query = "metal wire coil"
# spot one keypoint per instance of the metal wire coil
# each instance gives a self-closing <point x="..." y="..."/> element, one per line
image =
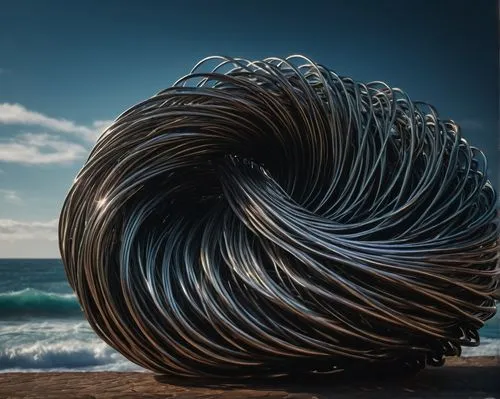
<point x="269" y="217"/>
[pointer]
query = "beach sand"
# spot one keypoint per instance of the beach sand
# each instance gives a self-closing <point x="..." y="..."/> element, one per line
<point x="472" y="378"/>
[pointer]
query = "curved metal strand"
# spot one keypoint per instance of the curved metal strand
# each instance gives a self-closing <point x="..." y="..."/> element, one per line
<point x="267" y="217"/>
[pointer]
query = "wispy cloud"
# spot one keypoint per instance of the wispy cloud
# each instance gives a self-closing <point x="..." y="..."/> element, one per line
<point x="17" y="114"/>
<point x="10" y="196"/>
<point x="32" y="149"/>
<point x="100" y="126"/>
<point x="14" y="230"/>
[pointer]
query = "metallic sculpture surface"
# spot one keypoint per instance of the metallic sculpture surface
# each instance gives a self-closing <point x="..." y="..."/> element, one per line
<point x="266" y="217"/>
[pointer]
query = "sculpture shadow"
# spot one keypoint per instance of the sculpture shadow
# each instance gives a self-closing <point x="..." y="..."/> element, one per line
<point x="453" y="382"/>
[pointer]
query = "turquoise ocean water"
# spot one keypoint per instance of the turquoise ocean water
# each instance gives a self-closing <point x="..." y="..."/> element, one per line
<point x="42" y="327"/>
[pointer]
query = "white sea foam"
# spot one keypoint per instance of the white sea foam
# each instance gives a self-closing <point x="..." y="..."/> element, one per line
<point x="34" y="291"/>
<point x="57" y="345"/>
<point x="488" y="347"/>
<point x="46" y="327"/>
<point x="68" y="355"/>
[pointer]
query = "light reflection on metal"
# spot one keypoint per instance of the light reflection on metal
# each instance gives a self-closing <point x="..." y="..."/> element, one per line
<point x="270" y="216"/>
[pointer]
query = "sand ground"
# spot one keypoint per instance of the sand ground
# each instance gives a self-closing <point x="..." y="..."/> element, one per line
<point x="459" y="378"/>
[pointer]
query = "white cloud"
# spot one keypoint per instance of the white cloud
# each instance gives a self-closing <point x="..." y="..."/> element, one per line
<point x="17" y="114"/>
<point x="10" y="196"/>
<point x="51" y="147"/>
<point x="100" y="126"/>
<point x="14" y="230"/>
<point x="31" y="149"/>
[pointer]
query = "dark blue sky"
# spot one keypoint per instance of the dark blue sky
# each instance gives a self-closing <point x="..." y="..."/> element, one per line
<point x="86" y="62"/>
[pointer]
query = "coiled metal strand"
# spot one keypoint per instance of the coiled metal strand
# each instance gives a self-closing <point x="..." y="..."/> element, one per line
<point x="267" y="217"/>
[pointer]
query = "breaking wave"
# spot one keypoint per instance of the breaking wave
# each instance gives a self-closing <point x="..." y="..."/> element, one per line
<point x="72" y="355"/>
<point x="31" y="302"/>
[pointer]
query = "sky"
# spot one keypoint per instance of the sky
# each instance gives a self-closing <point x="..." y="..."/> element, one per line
<point x="67" y="69"/>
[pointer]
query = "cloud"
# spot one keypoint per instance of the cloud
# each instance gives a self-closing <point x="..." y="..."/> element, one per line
<point x="14" y="230"/>
<point x="100" y="126"/>
<point x="60" y="143"/>
<point x="33" y="149"/>
<point x="17" y="114"/>
<point x="10" y="196"/>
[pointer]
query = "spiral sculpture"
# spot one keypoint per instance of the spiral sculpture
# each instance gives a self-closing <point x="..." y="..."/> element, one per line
<point x="270" y="217"/>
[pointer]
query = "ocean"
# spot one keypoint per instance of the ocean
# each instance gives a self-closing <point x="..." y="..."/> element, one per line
<point x="41" y="325"/>
<point x="43" y="329"/>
